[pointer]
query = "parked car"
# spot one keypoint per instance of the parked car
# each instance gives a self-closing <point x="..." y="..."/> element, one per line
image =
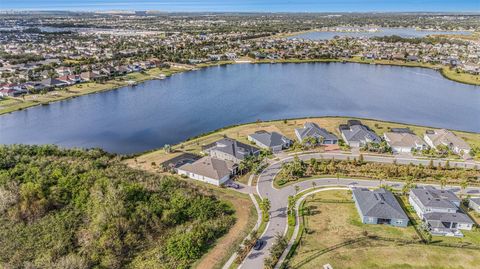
<point x="259" y="244"/>
<point x="232" y="185"/>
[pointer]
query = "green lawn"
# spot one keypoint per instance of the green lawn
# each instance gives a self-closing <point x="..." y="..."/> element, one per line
<point x="331" y="224"/>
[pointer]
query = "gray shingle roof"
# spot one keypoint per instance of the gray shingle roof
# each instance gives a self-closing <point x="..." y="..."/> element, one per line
<point x="311" y="129"/>
<point x="475" y="200"/>
<point x="379" y="204"/>
<point x="458" y="217"/>
<point x="272" y="139"/>
<point x="209" y="167"/>
<point x="432" y="197"/>
<point x="360" y="133"/>
<point x="232" y="147"/>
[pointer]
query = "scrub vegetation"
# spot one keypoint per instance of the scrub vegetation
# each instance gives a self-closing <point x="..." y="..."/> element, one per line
<point x="85" y="209"/>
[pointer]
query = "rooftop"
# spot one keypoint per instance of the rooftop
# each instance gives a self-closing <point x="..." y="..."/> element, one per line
<point x="311" y="129"/>
<point x="210" y="167"/>
<point x="379" y="204"/>
<point x="432" y="197"/>
<point x="269" y="139"/>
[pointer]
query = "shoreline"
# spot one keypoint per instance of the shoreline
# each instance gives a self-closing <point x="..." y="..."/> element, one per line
<point x="151" y="74"/>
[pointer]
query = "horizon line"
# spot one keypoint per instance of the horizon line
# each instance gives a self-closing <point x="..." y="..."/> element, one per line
<point x="232" y="11"/>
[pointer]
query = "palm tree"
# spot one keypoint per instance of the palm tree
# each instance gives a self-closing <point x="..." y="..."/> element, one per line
<point x="443" y="183"/>
<point x="464" y="185"/>
<point x="167" y="148"/>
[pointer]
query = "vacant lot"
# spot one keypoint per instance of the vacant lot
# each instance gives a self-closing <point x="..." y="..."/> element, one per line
<point x="331" y="224"/>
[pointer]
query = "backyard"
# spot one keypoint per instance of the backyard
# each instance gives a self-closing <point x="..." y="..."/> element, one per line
<point x="333" y="224"/>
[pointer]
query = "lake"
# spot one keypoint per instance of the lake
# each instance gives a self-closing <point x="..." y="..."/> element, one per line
<point x="403" y="32"/>
<point x="135" y="119"/>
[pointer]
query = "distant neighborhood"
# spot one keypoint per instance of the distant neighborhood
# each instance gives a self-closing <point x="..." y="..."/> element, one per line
<point x="38" y="58"/>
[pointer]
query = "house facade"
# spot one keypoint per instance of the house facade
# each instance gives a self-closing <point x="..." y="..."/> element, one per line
<point x="404" y="142"/>
<point x="311" y="129"/>
<point x="273" y="141"/>
<point x="379" y="207"/>
<point x="230" y="150"/>
<point x="209" y="170"/>
<point x="440" y="211"/>
<point x="435" y="138"/>
<point x="355" y="134"/>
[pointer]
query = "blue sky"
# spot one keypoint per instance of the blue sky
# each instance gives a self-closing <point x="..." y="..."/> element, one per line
<point x="247" y="5"/>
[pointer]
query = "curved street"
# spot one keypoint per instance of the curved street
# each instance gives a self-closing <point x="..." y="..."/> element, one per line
<point x="279" y="197"/>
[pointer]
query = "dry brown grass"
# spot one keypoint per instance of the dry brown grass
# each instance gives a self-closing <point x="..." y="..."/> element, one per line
<point x="336" y="223"/>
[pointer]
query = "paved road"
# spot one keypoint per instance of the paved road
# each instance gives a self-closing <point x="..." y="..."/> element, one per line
<point x="279" y="197"/>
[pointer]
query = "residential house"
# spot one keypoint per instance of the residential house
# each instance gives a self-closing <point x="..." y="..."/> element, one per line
<point x="474" y="203"/>
<point x="89" y="76"/>
<point x="210" y="170"/>
<point x="9" y="93"/>
<point x="404" y="140"/>
<point x="108" y="70"/>
<point x="273" y="141"/>
<point x="11" y="90"/>
<point x="230" y="150"/>
<point x="440" y="211"/>
<point x="311" y="129"/>
<point x="70" y="79"/>
<point x="435" y="138"/>
<point x="379" y="207"/>
<point x="53" y="82"/>
<point x="122" y="69"/>
<point x="355" y="134"/>
<point x="63" y="71"/>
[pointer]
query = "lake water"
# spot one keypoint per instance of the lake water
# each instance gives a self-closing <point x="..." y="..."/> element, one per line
<point x="403" y="32"/>
<point x="134" y="119"/>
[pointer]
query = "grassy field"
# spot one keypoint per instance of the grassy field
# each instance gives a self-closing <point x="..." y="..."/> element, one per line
<point x="287" y="128"/>
<point x="331" y="224"/>
<point x="461" y="77"/>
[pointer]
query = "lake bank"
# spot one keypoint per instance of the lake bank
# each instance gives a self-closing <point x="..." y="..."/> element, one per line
<point x="286" y="127"/>
<point x="9" y="105"/>
<point x="444" y="71"/>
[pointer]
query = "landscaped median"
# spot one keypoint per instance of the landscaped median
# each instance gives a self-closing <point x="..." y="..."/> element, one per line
<point x="301" y="170"/>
